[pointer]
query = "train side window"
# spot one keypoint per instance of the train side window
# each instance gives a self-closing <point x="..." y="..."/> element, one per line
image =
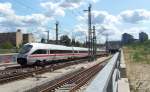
<point x="82" y="51"/>
<point x="60" y="51"/>
<point x="51" y="51"/>
<point x="75" y="51"/>
<point x="40" y="52"/>
<point x="54" y="51"/>
<point x="67" y="51"/>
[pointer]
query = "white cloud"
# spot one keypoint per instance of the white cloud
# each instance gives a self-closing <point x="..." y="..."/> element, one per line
<point x="5" y="9"/>
<point x="71" y="4"/>
<point x="135" y="16"/>
<point x="105" y="24"/>
<point x="7" y="15"/>
<point x="8" y="18"/>
<point x="58" y="7"/>
<point x="81" y="28"/>
<point x="127" y="21"/>
<point x="10" y="21"/>
<point x="95" y="1"/>
<point x="34" y="19"/>
<point x="28" y="20"/>
<point x="100" y="17"/>
<point x="114" y="25"/>
<point x="53" y="9"/>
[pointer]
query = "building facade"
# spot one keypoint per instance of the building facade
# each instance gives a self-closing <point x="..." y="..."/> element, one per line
<point x="16" y="38"/>
<point x="127" y="38"/>
<point x="28" y="38"/>
<point x="143" y="37"/>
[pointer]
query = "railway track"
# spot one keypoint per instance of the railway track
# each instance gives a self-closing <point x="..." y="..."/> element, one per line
<point x="22" y="73"/>
<point x="9" y="64"/>
<point x="12" y="70"/>
<point x="70" y="82"/>
<point x="15" y="68"/>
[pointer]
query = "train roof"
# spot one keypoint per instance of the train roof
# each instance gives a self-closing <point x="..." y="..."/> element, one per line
<point x="55" y="47"/>
<point x="80" y="48"/>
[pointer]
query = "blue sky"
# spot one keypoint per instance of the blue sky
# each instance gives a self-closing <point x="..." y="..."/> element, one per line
<point x="38" y="16"/>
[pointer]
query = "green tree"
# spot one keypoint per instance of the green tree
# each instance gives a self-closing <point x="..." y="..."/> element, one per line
<point x="43" y="40"/>
<point x="65" y="40"/>
<point x="7" y="45"/>
<point x="73" y="42"/>
<point x="78" y="44"/>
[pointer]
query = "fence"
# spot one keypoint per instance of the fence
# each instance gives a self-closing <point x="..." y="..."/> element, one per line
<point x="107" y="79"/>
<point x="8" y="58"/>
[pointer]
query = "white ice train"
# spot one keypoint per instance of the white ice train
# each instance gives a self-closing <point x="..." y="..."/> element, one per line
<point x="39" y="53"/>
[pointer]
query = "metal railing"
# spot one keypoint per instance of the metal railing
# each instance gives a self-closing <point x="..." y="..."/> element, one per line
<point x="8" y="58"/>
<point x="106" y="80"/>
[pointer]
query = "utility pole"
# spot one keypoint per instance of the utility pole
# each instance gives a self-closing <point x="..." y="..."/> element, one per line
<point x="106" y="42"/>
<point x="94" y="43"/>
<point x="86" y="41"/>
<point x="47" y="35"/>
<point x="89" y="32"/>
<point x="57" y="23"/>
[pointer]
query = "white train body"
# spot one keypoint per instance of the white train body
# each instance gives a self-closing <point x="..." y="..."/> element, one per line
<point x="32" y="53"/>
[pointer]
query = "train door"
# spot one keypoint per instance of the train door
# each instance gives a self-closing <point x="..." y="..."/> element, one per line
<point x="52" y="55"/>
<point x="49" y="55"/>
<point x="73" y="52"/>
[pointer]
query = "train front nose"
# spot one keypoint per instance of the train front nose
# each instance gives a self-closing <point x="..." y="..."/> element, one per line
<point x="22" y="61"/>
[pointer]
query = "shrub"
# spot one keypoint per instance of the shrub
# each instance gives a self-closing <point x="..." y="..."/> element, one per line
<point x="7" y="45"/>
<point x="137" y="57"/>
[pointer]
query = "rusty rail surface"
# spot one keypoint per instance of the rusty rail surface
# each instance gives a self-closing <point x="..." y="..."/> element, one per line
<point x="75" y="80"/>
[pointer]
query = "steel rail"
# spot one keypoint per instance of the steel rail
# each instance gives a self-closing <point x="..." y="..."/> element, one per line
<point x="23" y="75"/>
<point x="76" y="79"/>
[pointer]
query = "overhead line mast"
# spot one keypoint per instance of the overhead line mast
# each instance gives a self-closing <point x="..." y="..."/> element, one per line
<point x="89" y="32"/>
<point x="94" y="43"/>
<point x="47" y="36"/>
<point x="57" y="23"/>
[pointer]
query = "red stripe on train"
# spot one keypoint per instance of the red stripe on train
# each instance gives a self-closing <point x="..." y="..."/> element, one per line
<point x="45" y="55"/>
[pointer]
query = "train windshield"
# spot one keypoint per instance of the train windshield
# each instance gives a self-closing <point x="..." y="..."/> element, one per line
<point x="25" y="49"/>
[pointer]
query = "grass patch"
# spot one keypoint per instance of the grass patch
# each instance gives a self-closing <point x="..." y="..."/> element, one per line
<point x="137" y="57"/>
<point x="6" y="51"/>
<point x="139" y="52"/>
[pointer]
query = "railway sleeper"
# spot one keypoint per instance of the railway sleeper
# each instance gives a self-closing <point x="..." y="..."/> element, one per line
<point x="83" y="81"/>
<point x="72" y="78"/>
